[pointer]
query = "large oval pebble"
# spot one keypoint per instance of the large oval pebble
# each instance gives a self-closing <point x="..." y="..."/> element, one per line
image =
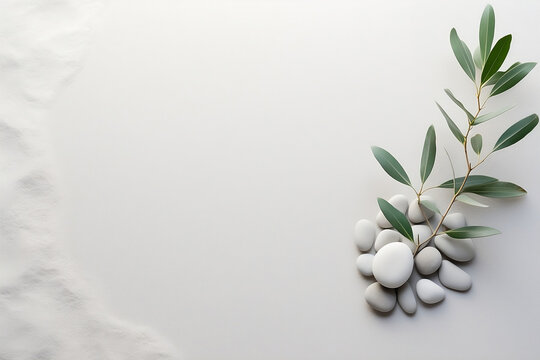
<point x="429" y="292"/>
<point x="393" y="264"/>
<point x="453" y="277"/>
<point x="406" y="299"/>
<point x="385" y="237"/>
<point x="364" y="263"/>
<point x="380" y="298"/>
<point x="456" y="249"/>
<point x="415" y="213"/>
<point x="364" y="234"/>
<point x="455" y="221"/>
<point x="400" y="202"/>
<point x="428" y="260"/>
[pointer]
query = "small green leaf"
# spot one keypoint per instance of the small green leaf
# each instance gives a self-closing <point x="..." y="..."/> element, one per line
<point x="487" y="29"/>
<point x="498" y="75"/>
<point x="396" y="218"/>
<point x="460" y="104"/>
<point x="491" y="115"/>
<point x="477" y="58"/>
<point x="390" y="165"/>
<point x="516" y="132"/>
<point x="471" y="181"/>
<point x="466" y="199"/>
<point x="430" y="205"/>
<point x="452" y="125"/>
<point x="472" y="232"/>
<point x="496" y="57"/>
<point x="497" y="189"/>
<point x="511" y="77"/>
<point x="428" y="154"/>
<point x="476" y="143"/>
<point x="463" y="54"/>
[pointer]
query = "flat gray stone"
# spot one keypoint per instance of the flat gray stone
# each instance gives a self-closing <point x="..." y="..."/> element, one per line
<point x="385" y="237"/>
<point x="364" y="263"/>
<point x="429" y="292"/>
<point x="406" y="299"/>
<point x="364" y="234"/>
<point x="452" y="277"/>
<point x="428" y="260"/>
<point x="380" y="298"/>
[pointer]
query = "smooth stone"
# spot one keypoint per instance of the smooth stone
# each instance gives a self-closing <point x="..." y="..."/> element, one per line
<point x="420" y="233"/>
<point x="385" y="237"/>
<point x="380" y="298"/>
<point x="364" y="263"/>
<point x="364" y="234"/>
<point x="400" y="202"/>
<point x="456" y="249"/>
<point x="393" y="265"/>
<point x="406" y="299"/>
<point x="455" y="221"/>
<point x="428" y="260"/>
<point x="415" y="213"/>
<point x="453" y="277"/>
<point x="429" y="292"/>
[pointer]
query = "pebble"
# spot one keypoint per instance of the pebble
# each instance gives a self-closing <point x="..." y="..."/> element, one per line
<point x="453" y="277"/>
<point x="364" y="234"/>
<point x="429" y="292"/>
<point x="385" y="237"/>
<point x="400" y="202"/>
<point x="456" y="249"/>
<point x="393" y="264"/>
<point x="415" y="214"/>
<point x="455" y="221"/>
<point x="428" y="260"/>
<point x="380" y="298"/>
<point x="364" y="263"/>
<point x="420" y="232"/>
<point x="406" y="299"/>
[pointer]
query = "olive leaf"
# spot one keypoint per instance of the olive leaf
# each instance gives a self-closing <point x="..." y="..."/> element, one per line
<point x="391" y="165"/>
<point x="428" y="154"/>
<point x="472" y="232"/>
<point x="491" y="115"/>
<point x="496" y="58"/>
<point x="466" y="199"/>
<point x="396" y="218"/>
<point x="430" y="205"/>
<point x="496" y="189"/>
<point x="452" y="125"/>
<point x="463" y="55"/>
<point x="511" y="77"/>
<point x="476" y="143"/>
<point x="472" y="180"/>
<point x="487" y="29"/>
<point x="516" y="132"/>
<point x="477" y="58"/>
<point x="498" y="75"/>
<point x="460" y="104"/>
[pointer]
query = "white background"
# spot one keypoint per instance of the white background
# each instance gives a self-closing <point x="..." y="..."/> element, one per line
<point x="215" y="156"/>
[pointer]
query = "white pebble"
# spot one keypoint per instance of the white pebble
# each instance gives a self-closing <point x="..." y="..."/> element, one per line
<point x="415" y="213"/>
<point x="393" y="264"/>
<point x="380" y="298"/>
<point x="364" y="263"/>
<point x="386" y="236"/>
<point x="428" y="260"/>
<point x="429" y="292"/>
<point x="400" y="202"/>
<point x="364" y="234"/>
<point x="456" y="249"/>
<point x="453" y="277"/>
<point x="455" y="221"/>
<point x="406" y="299"/>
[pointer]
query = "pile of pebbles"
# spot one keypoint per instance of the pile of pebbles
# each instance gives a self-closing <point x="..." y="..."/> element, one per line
<point x="387" y="256"/>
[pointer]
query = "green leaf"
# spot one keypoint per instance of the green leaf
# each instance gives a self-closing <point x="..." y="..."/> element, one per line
<point x="498" y="75"/>
<point x="511" y="77"/>
<point x="428" y="154"/>
<point x="460" y="104"/>
<point x="487" y="29"/>
<point x="452" y="125"/>
<point x="476" y="143"/>
<point x="477" y="58"/>
<point x="496" y="57"/>
<point x="466" y="199"/>
<point x="396" y="218"/>
<point x="391" y="165"/>
<point x="472" y="232"/>
<point x="491" y="115"/>
<point x="497" y="189"/>
<point x="516" y="132"/>
<point x="471" y="181"/>
<point x="430" y="205"/>
<point x="463" y="54"/>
